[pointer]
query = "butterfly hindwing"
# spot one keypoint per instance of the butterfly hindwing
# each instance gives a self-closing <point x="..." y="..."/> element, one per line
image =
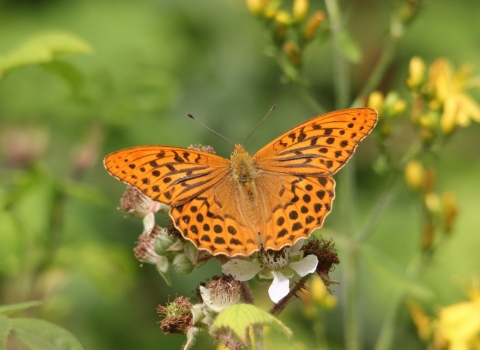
<point x="295" y="206"/>
<point x="320" y="146"/>
<point x="214" y="221"/>
<point x="171" y="175"/>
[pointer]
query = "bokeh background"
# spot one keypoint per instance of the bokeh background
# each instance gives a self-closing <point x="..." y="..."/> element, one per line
<point x="154" y="61"/>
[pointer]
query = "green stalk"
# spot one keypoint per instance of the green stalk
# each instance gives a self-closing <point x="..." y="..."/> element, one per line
<point x="347" y="193"/>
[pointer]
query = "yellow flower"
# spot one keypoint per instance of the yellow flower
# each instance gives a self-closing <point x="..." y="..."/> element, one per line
<point x="421" y="320"/>
<point x="458" y="325"/>
<point x="447" y="88"/>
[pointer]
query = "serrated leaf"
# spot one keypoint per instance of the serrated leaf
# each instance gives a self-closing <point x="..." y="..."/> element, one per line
<point x="16" y="308"/>
<point x="43" y="335"/>
<point x="386" y="269"/>
<point x="4" y="330"/>
<point x="43" y="48"/>
<point x="349" y="47"/>
<point x="240" y="317"/>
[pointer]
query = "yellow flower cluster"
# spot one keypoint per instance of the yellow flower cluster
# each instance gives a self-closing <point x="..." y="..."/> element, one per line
<point x="388" y="107"/>
<point x="443" y="90"/>
<point x="457" y="327"/>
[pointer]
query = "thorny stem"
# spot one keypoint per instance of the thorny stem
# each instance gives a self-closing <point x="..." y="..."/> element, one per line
<point x="246" y="294"/>
<point x="229" y="341"/>
<point x="258" y="337"/>
<point x="275" y="310"/>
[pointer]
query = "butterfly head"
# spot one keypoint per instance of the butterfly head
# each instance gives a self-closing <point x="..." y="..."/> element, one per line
<point x="238" y="150"/>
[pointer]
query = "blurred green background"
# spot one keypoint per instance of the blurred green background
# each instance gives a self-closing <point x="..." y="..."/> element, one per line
<point x="153" y="61"/>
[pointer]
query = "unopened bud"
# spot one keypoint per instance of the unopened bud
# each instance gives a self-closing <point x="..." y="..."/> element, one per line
<point x="313" y="24"/>
<point x="293" y="53"/>
<point x="415" y="175"/>
<point x="376" y="101"/>
<point x="256" y="7"/>
<point x="182" y="264"/>
<point x="432" y="202"/>
<point x="417" y="71"/>
<point x="450" y="211"/>
<point x="300" y="10"/>
<point x="163" y="242"/>
<point x="428" y="236"/>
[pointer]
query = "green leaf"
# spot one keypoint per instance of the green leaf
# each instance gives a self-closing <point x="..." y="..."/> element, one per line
<point x="4" y="330"/>
<point x="43" y="335"/>
<point x="349" y="47"/>
<point x="240" y="317"/>
<point x="43" y="48"/>
<point x="16" y="308"/>
<point x="66" y="71"/>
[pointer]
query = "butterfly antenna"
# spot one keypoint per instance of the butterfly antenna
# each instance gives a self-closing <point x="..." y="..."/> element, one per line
<point x="271" y="109"/>
<point x="206" y="127"/>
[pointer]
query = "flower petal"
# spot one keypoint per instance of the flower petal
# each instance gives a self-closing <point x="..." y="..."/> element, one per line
<point x="279" y="288"/>
<point x="241" y="270"/>
<point x="305" y="266"/>
<point x="297" y="246"/>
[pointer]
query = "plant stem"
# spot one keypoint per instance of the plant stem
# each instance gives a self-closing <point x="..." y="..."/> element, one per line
<point x="347" y="196"/>
<point x="258" y="336"/>
<point x="380" y="207"/>
<point x="376" y="77"/>
<point x="315" y="106"/>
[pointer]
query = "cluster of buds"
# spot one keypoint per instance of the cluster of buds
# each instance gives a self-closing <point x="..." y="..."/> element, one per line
<point x="290" y="31"/>
<point x="440" y="210"/>
<point x="389" y="107"/>
<point x="159" y="246"/>
<point x="441" y="103"/>
<point x="183" y="317"/>
<point x="405" y="12"/>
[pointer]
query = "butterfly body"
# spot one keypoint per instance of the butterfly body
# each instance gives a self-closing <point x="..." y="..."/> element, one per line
<point x="234" y="207"/>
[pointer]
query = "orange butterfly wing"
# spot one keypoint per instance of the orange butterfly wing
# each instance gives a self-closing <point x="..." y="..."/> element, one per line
<point x="293" y="187"/>
<point x="171" y="175"/>
<point x="296" y="183"/>
<point x="198" y="187"/>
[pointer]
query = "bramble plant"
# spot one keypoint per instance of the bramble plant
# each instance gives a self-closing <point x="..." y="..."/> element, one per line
<point x="242" y="307"/>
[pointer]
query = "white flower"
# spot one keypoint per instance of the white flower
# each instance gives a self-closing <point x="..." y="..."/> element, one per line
<point x="279" y="265"/>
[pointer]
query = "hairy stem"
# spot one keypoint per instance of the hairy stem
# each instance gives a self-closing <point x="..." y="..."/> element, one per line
<point x="275" y="310"/>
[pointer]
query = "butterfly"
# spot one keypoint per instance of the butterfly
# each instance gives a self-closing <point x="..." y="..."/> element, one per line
<point x="234" y="207"/>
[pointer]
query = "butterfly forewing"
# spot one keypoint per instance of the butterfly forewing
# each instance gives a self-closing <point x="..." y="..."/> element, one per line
<point x="320" y="146"/>
<point x="170" y="175"/>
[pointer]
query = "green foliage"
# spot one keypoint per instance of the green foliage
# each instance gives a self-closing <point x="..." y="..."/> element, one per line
<point x="45" y="49"/>
<point x="43" y="335"/>
<point x="37" y="334"/>
<point x="240" y="318"/>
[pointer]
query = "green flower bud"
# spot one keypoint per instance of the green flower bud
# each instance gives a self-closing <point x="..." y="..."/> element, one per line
<point x="182" y="264"/>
